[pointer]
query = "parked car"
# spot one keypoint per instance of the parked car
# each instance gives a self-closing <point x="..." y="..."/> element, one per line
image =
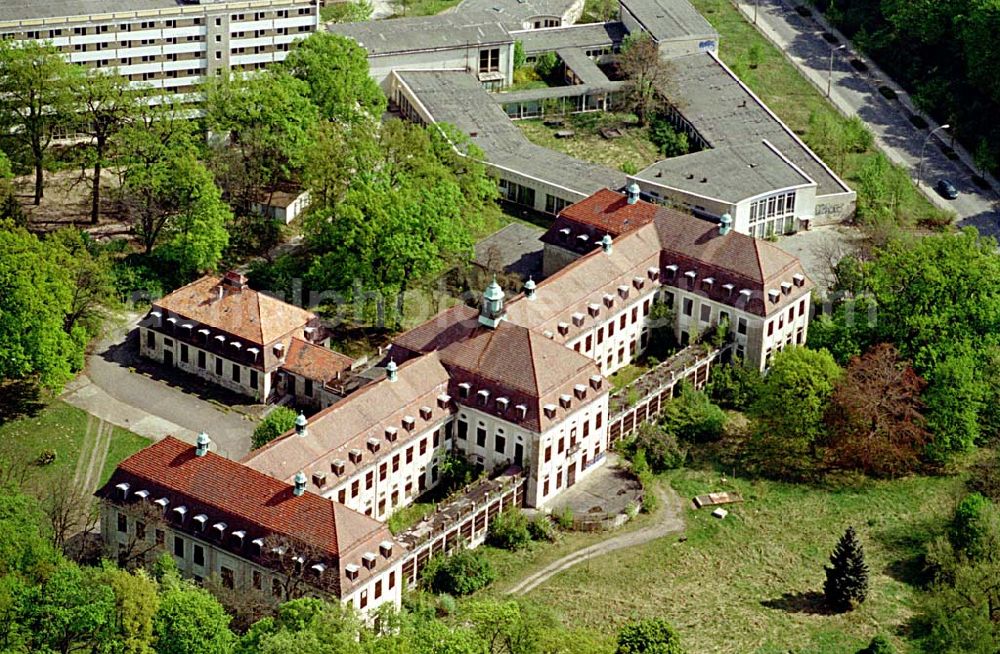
<point x="946" y="189"/>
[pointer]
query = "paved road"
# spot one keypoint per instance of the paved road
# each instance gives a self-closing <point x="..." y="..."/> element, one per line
<point x="668" y="520"/>
<point x="856" y="93"/>
<point x="110" y="390"/>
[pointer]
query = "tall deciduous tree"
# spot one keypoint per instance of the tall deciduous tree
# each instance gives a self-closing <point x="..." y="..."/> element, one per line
<point x="36" y="295"/>
<point x="90" y="271"/>
<point x="107" y="103"/>
<point x="190" y="621"/>
<point x="847" y="576"/>
<point x="647" y="76"/>
<point x="335" y="68"/>
<point x="35" y="95"/>
<point x="788" y="415"/>
<point x="875" y="416"/>
<point x="263" y="126"/>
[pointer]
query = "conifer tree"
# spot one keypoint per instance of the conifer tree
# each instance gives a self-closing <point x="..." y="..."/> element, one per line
<point x="847" y="579"/>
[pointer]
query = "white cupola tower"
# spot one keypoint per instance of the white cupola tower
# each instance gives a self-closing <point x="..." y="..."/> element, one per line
<point x="492" y="311"/>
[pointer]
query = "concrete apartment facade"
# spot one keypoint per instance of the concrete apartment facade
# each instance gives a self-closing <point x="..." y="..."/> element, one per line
<point x="165" y="45"/>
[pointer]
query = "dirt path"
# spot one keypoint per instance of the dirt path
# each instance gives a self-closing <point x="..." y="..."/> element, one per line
<point x="668" y="520"/>
<point x="93" y="454"/>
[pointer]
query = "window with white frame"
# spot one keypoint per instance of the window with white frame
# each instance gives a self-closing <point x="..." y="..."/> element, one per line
<point x="774" y="214"/>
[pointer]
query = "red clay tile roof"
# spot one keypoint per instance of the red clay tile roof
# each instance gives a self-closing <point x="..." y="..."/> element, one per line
<point x="610" y="213"/>
<point x="314" y="361"/>
<point x="239" y="492"/>
<point x="255" y="317"/>
<point x="449" y="326"/>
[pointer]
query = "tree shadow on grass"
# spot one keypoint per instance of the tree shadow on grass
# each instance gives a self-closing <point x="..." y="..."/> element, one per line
<point x="809" y="602"/>
<point x="19" y="399"/>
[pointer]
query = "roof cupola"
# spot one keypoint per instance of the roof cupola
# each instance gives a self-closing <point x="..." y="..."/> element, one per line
<point x="725" y="224"/>
<point x="300" y="483"/>
<point x="529" y="288"/>
<point x="491" y="313"/>
<point x="606" y="244"/>
<point x="201" y="444"/>
<point x="300" y="424"/>
<point x="633" y="192"/>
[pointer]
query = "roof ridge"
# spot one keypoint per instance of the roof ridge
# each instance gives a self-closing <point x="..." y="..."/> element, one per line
<point x="531" y="357"/>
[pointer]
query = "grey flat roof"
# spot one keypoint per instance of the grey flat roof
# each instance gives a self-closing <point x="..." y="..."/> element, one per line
<point x="12" y="10"/>
<point x="584" y="67"/>
<point x="726" y="114"/>
<point x="731" y="174"/>
<point x="515" y="12"/>
<point x="669" y="19"/>
<point x="593" y="35"/>
<point x="457" y="97"/>
<point x="451" y="30"/>
<point x="545" y="93"/>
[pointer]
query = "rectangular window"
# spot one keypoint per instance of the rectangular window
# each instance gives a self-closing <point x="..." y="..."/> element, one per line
<point x="355" y="487"/>
<point x="201" y="359"/>
<point x="600" y="335"/>
<point x="635" y="314"/>
<point x="668" y="299"/>
<point x="364" y="599"/>
<point x="378" y="589"/>
<point x="218" y="366"/>
<point x="723" y="317"/>
<point x="151" y="339"/>
<point x="342" y="496"/>
<point x="395" y="463"/>
<point x="489" y="60"/>
<point x="179" y="546"/>
<point x="463" y="430"/>
<point x="253" y="379"/>
<point x="706" y="313"/>
<point x="227" y="577"/>
<point x="548" y="453"/>
<point x="122" y="523"/>
<point x="500" y="445"/>
<point x="160" y="537"/>
<point x="741" y="326"/>
<point x="409" y="454"/>
<point x="770" y="328"/>
<point x="255" y="579"/>
<point x="802" y="308"/>
<point x="562" y="445"/>
<point x="688" y="306"/>
<point x="392" y="580"/>
<point x="423" y="443"/>
<point x="383" y="471"/>
<point x="199" y="555"/>
<point x="276" y="587"/>
<point x="236" y="373"/>
<point x="590" y="343"/>
<point x="309" y="387"/>
<point x="598" y="419"/>
<point x="369" y="480"/>
<point x="140" y="530"/>
<point x="611" y="329"/>
<point x="621" y="321"/>
<point x="481" y="436"/>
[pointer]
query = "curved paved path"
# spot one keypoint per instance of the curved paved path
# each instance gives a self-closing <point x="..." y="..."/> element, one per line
<point x="668" y="520"/>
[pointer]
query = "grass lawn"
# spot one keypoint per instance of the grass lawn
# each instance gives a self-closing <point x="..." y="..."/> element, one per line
<point x="778" y="83"/>
<point x="633" y="149"/>
<point x="749" y="583"/>
<point x="64" y="429"/>
<point x="626" y="376"/>
<point x="422" y="7"/>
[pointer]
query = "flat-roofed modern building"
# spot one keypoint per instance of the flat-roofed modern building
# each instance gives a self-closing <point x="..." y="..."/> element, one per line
<point x="166" y="45"/>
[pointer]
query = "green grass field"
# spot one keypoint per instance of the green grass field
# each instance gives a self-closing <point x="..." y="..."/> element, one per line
<point x="633" y="149"/>
<point x="749" y="583"/>
<point x="70" y="433"/>
<point x="777" y="82"/>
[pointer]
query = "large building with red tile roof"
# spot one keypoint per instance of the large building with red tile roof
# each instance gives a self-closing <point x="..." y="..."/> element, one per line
<point x="219" y="518"/>
<point x="223" y="331"/>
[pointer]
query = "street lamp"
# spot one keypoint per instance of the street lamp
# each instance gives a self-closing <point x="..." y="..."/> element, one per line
<point x="920" y="167"/>
<point x="829" y="80"/>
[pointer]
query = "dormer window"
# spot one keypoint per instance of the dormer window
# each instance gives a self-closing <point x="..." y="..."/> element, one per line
<point x="484" y="397"/>
<point x="623" y="292"/>
<point x="671" y="270"/>
<point x="374" y="444"/>
<point x="352" y="571"/>
<point x="653" y="273"/>
<point x="142" y="494"/>
<point x="318" y="569"/>
<point x="222" y="340"/>
<point x="163" y="502"/>
<point x="609" y="300"/>
<point x="565" y="401"/>
<point x="729" y="288"/>
<point x="638" y="282"/>
<point x="201" y="520"/>
<point x="596" y="381"/>
<point x="522" y="411"/>
<point x="238" y="537"/>
<point x="580" y="391"/>
<point x="563" y="328"/>
<point x="368" y="559"/>
<point x="355" y="456"/>
<point x="502" y="404"/>
<point x="258" y="545"/>
<point x="444" y="400"/>
<point x="564" y="234"/>
<point x="122" y="490"/>
<point x="220" y="529"/>
<point x="550" y="411"/>
<point x="391" y="434"/>
<point x="338" y="466"/>
<point x="708" y="282"/>
<point x="205" y="333"/>
<point x="279" y="350"/>
<point x="583" y="239"/>
<point x="745" y="294"/>
<point x="426" y="412"/>
<point x="464" y="389"/>
<point x="181" y="511"/>
<point x="578" y="319"/>
<point x="385" y="548"/>
<point x="774" y="294"/>
<point x="593" y="310"/>
<point x="691" y="275"/>
<point x="786" y="287"/>
<point x="799" y="279"/>
<point x="409" y="422"/>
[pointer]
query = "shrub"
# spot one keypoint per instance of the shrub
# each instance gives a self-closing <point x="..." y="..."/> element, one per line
<point x="984" y="477"/>
<point x="541" y="528"/>
<point x="653" y="636"/>
<point x="546" y="64"/>
<point x="509" y="531"/>
<point x="660" y="448"/>
<point x="274" y="424"/>
<point x="462" y="573"/>
<point x="693" y="417"/>
<point x="974" y="528"/>
<point x="47" y="457"/>
<point x="735" y="386"/>
<point x="670" y="142"/>
<point x="880" y="645"/>
<point x="847" y="577"/>
<point x="565" y="519"/>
